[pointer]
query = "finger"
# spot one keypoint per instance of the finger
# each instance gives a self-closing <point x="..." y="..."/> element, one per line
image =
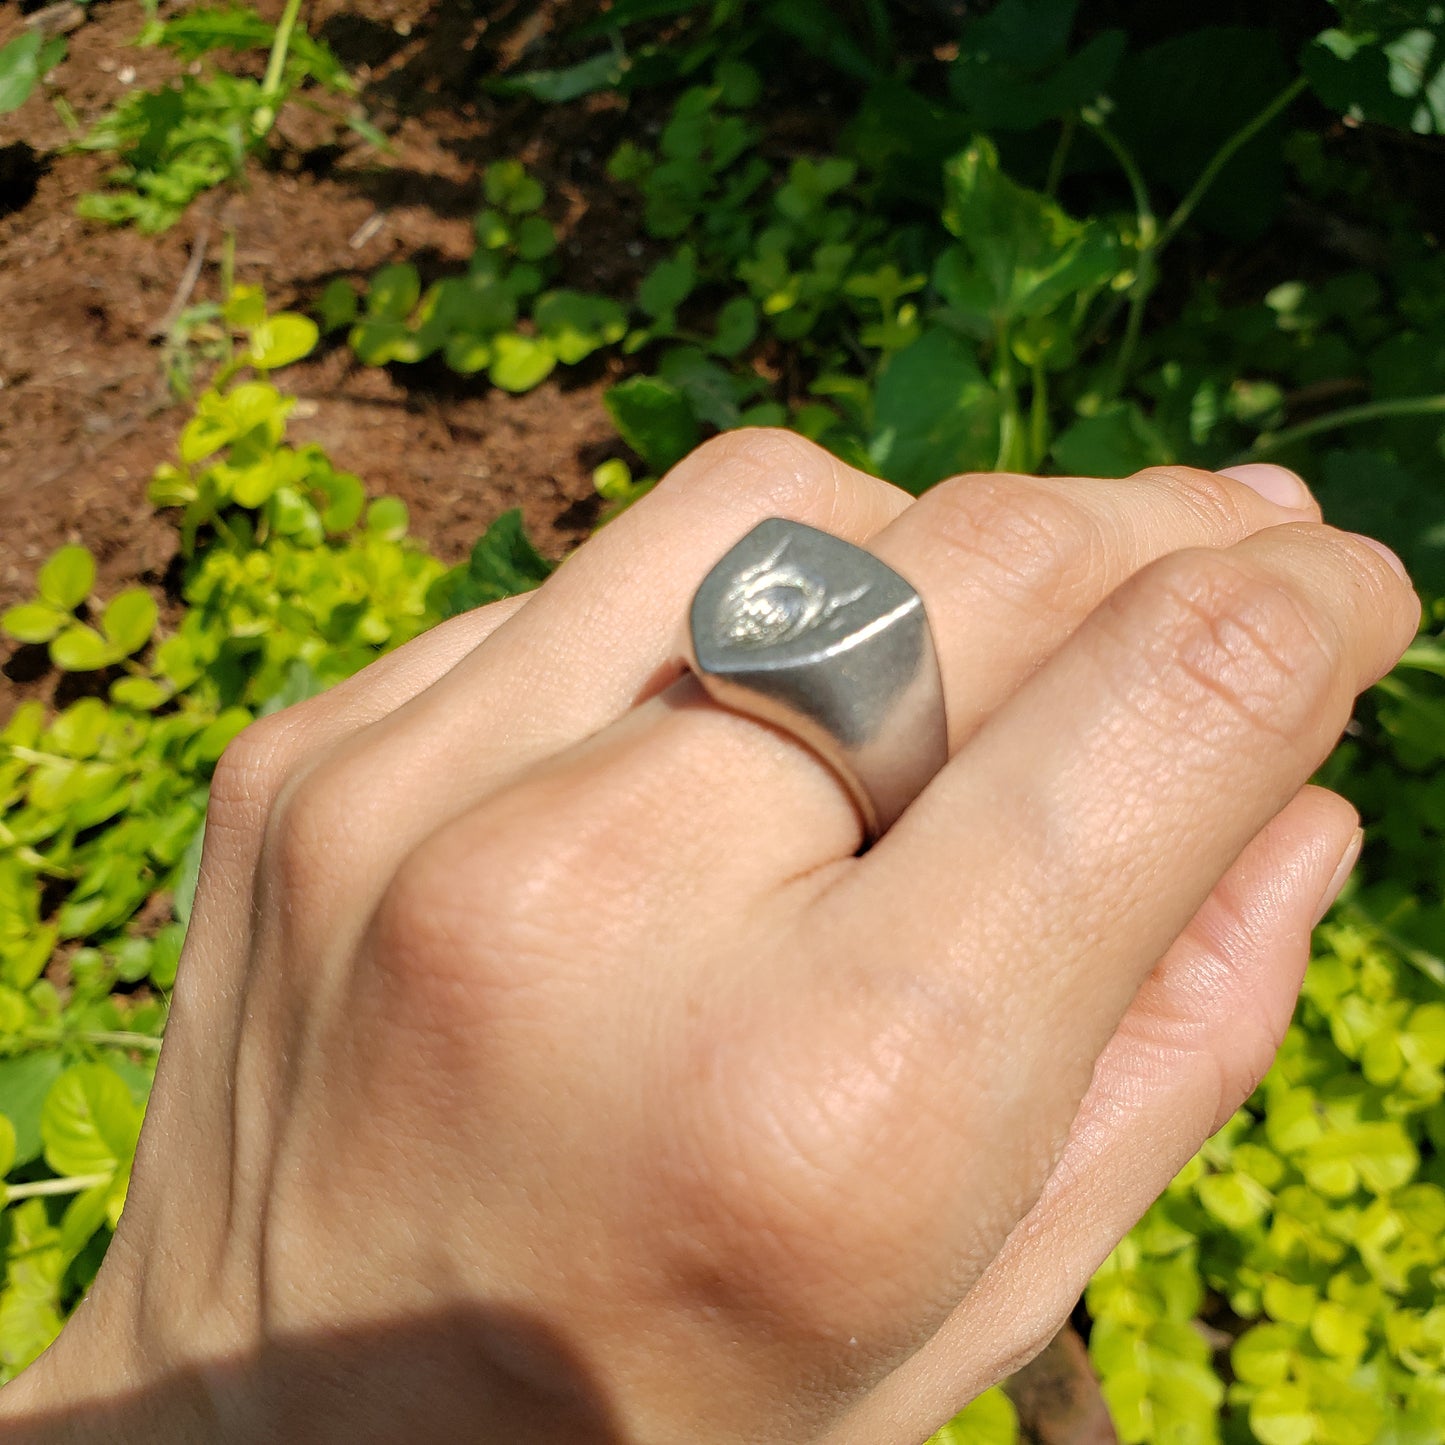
<point x="251" y="771"/>
<point x="1009" y="566"/>
<point x="1022" y="900"/>
<point x="206" y="1011"/>
<point x="1192" y="1047"/>
<point x="598" y="633"/>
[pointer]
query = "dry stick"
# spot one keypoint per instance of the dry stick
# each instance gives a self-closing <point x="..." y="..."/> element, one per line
<point x="189" y="276"/>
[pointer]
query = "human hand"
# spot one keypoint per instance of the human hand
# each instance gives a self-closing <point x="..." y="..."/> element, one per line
<point x="544" y="1064"/>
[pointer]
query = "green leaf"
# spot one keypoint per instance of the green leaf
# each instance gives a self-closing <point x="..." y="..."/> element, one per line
<point x="990" y="1420"/>
<point x="67" y="577"/>
<point x="81" y="649"/>
<point x="503" y="563"/>
<point x="737" y="326"/>
<point x="507" y="185"/>
<point x="337" y="305"/>
<point x="83" y="1216"/>
<point x="378" y="342"/>
<point x="575" y="325"/>
<point x="7" y="1146"/>
<point x="245" y="307"/>
<point x="281" y="339"/>
<point x="1235" y="1200"/>
<point x="1116" y="442"/>
<point x="218" y="734"/>
<point x="387" y="517"/>
<point x="1020" y="254"/>
<point x="89" y="1123"/>
<point x="1173" y="114"/>
<point x="34" y="621"/>
<point x="1281" y="1415"/>
<point x="468" y="354"/>
<point x="520" y="362"/>
<point x="535" y="238"/>
<point x="22" y="63"/>
<point x="668" y="285"/>
<point x="394" y="292"/>
<point x="24" y="1083"/>
<point x="654" y="419"/>
<point x="603" y="71"/>
<point x="1013" y="71"/>
<point x="129" y="620"/>
<point x="934" y="413"/>
<point x="187" y="877"/>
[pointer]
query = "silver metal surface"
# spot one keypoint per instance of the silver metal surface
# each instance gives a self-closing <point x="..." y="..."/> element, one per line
<point x="818" y="637"/>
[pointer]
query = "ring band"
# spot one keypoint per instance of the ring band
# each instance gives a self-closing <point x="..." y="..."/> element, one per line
<point x="803" y="630"/>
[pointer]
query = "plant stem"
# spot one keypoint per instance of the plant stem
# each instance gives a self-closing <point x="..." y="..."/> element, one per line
<point x="1345" y="416"/>
<point x="265" y="115"/>
<point x="1038" y="415"/>
<point x="1008" y="429"/>
<point x="77" y="1184"/>
<point x="1061" y="153"/>
<point x="1153" y="238"/>
<point x="116" y="1038"/>
<point x="1146" y="271"/>
<point x="1225" y="154"/>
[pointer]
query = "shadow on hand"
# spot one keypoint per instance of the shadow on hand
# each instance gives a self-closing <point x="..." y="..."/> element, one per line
<point x="452" y="1377"/>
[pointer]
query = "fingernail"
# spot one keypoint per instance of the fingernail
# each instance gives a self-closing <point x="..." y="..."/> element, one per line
<point x="1275" y="484"/>
<point x="1384" y="551"/>
<point x="1341" y="874"/>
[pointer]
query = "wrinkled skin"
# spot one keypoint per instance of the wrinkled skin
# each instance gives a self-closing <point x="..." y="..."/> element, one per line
<point x="545" y="1063"/>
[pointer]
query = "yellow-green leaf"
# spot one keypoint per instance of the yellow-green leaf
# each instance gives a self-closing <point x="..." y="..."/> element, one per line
<point x="81" y="649"/>
<point x="66" y="579"/>
<point x="282" y="339"/>
<point x="89" y="1122"/>
<point x="34" y="621"/>
<point x="129" y="620"/>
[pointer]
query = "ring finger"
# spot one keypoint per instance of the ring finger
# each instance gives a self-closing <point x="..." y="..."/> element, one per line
<point x="1008" y="567"/>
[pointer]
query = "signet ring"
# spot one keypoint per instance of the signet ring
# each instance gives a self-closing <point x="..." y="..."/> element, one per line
<point x="800" y="629"/>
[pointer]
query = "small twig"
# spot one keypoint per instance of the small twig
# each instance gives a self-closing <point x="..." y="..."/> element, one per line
<point x="189" y="277"/>
<point x="367" y="229"/>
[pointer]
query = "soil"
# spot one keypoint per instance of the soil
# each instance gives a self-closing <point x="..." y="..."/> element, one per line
<point x="86" y="412"/>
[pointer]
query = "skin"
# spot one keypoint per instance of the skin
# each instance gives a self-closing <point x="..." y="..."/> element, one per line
<point x="544" y="1063"/>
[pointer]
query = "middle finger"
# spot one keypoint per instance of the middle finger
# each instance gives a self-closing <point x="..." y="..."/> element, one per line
<point x="1008" y="567"/>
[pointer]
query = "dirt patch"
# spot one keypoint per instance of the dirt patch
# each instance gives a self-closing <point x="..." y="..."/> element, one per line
<point x="85" y="410"/>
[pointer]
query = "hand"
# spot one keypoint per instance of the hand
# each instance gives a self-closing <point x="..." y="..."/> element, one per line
<point x="544" y="1064"/>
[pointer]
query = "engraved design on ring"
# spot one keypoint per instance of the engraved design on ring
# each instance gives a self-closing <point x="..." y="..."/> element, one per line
<point x="805" y="631"/>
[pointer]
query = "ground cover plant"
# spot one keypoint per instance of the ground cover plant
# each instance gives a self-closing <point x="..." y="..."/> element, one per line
<point x="198" y="131"/>
<point x="1004" y="259"/>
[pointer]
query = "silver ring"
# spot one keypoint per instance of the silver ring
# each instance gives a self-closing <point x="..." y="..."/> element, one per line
<point x="818" y="637"/>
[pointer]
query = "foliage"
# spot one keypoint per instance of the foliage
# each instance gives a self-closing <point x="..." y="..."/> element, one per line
<point x="198" y="132"/>
<point x="921" y="308"/>
<point x="292" y="582"/>
<point x="1009" y="256"/>
<point x="1315" y="1221"/>
<point x="472" y="320"/>
<point x="24" y="63"/>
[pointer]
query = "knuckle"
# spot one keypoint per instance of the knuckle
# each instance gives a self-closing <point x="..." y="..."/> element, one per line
<point x="477" y="913"/>
<point x="1031" y="543"/>
<point x="766" y="467"/>
<point x="1217" y="502"/>
<point x="251" y="773"/>
<point x="771" y="1182"/>
<point x="1223" y="646"/>
<point x="316" y="824"/>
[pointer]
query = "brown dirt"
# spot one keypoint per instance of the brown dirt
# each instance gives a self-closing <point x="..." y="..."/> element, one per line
<point x="85" y="410"/>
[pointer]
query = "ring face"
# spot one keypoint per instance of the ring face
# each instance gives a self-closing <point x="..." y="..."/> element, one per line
<point x="817" y="636"/>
